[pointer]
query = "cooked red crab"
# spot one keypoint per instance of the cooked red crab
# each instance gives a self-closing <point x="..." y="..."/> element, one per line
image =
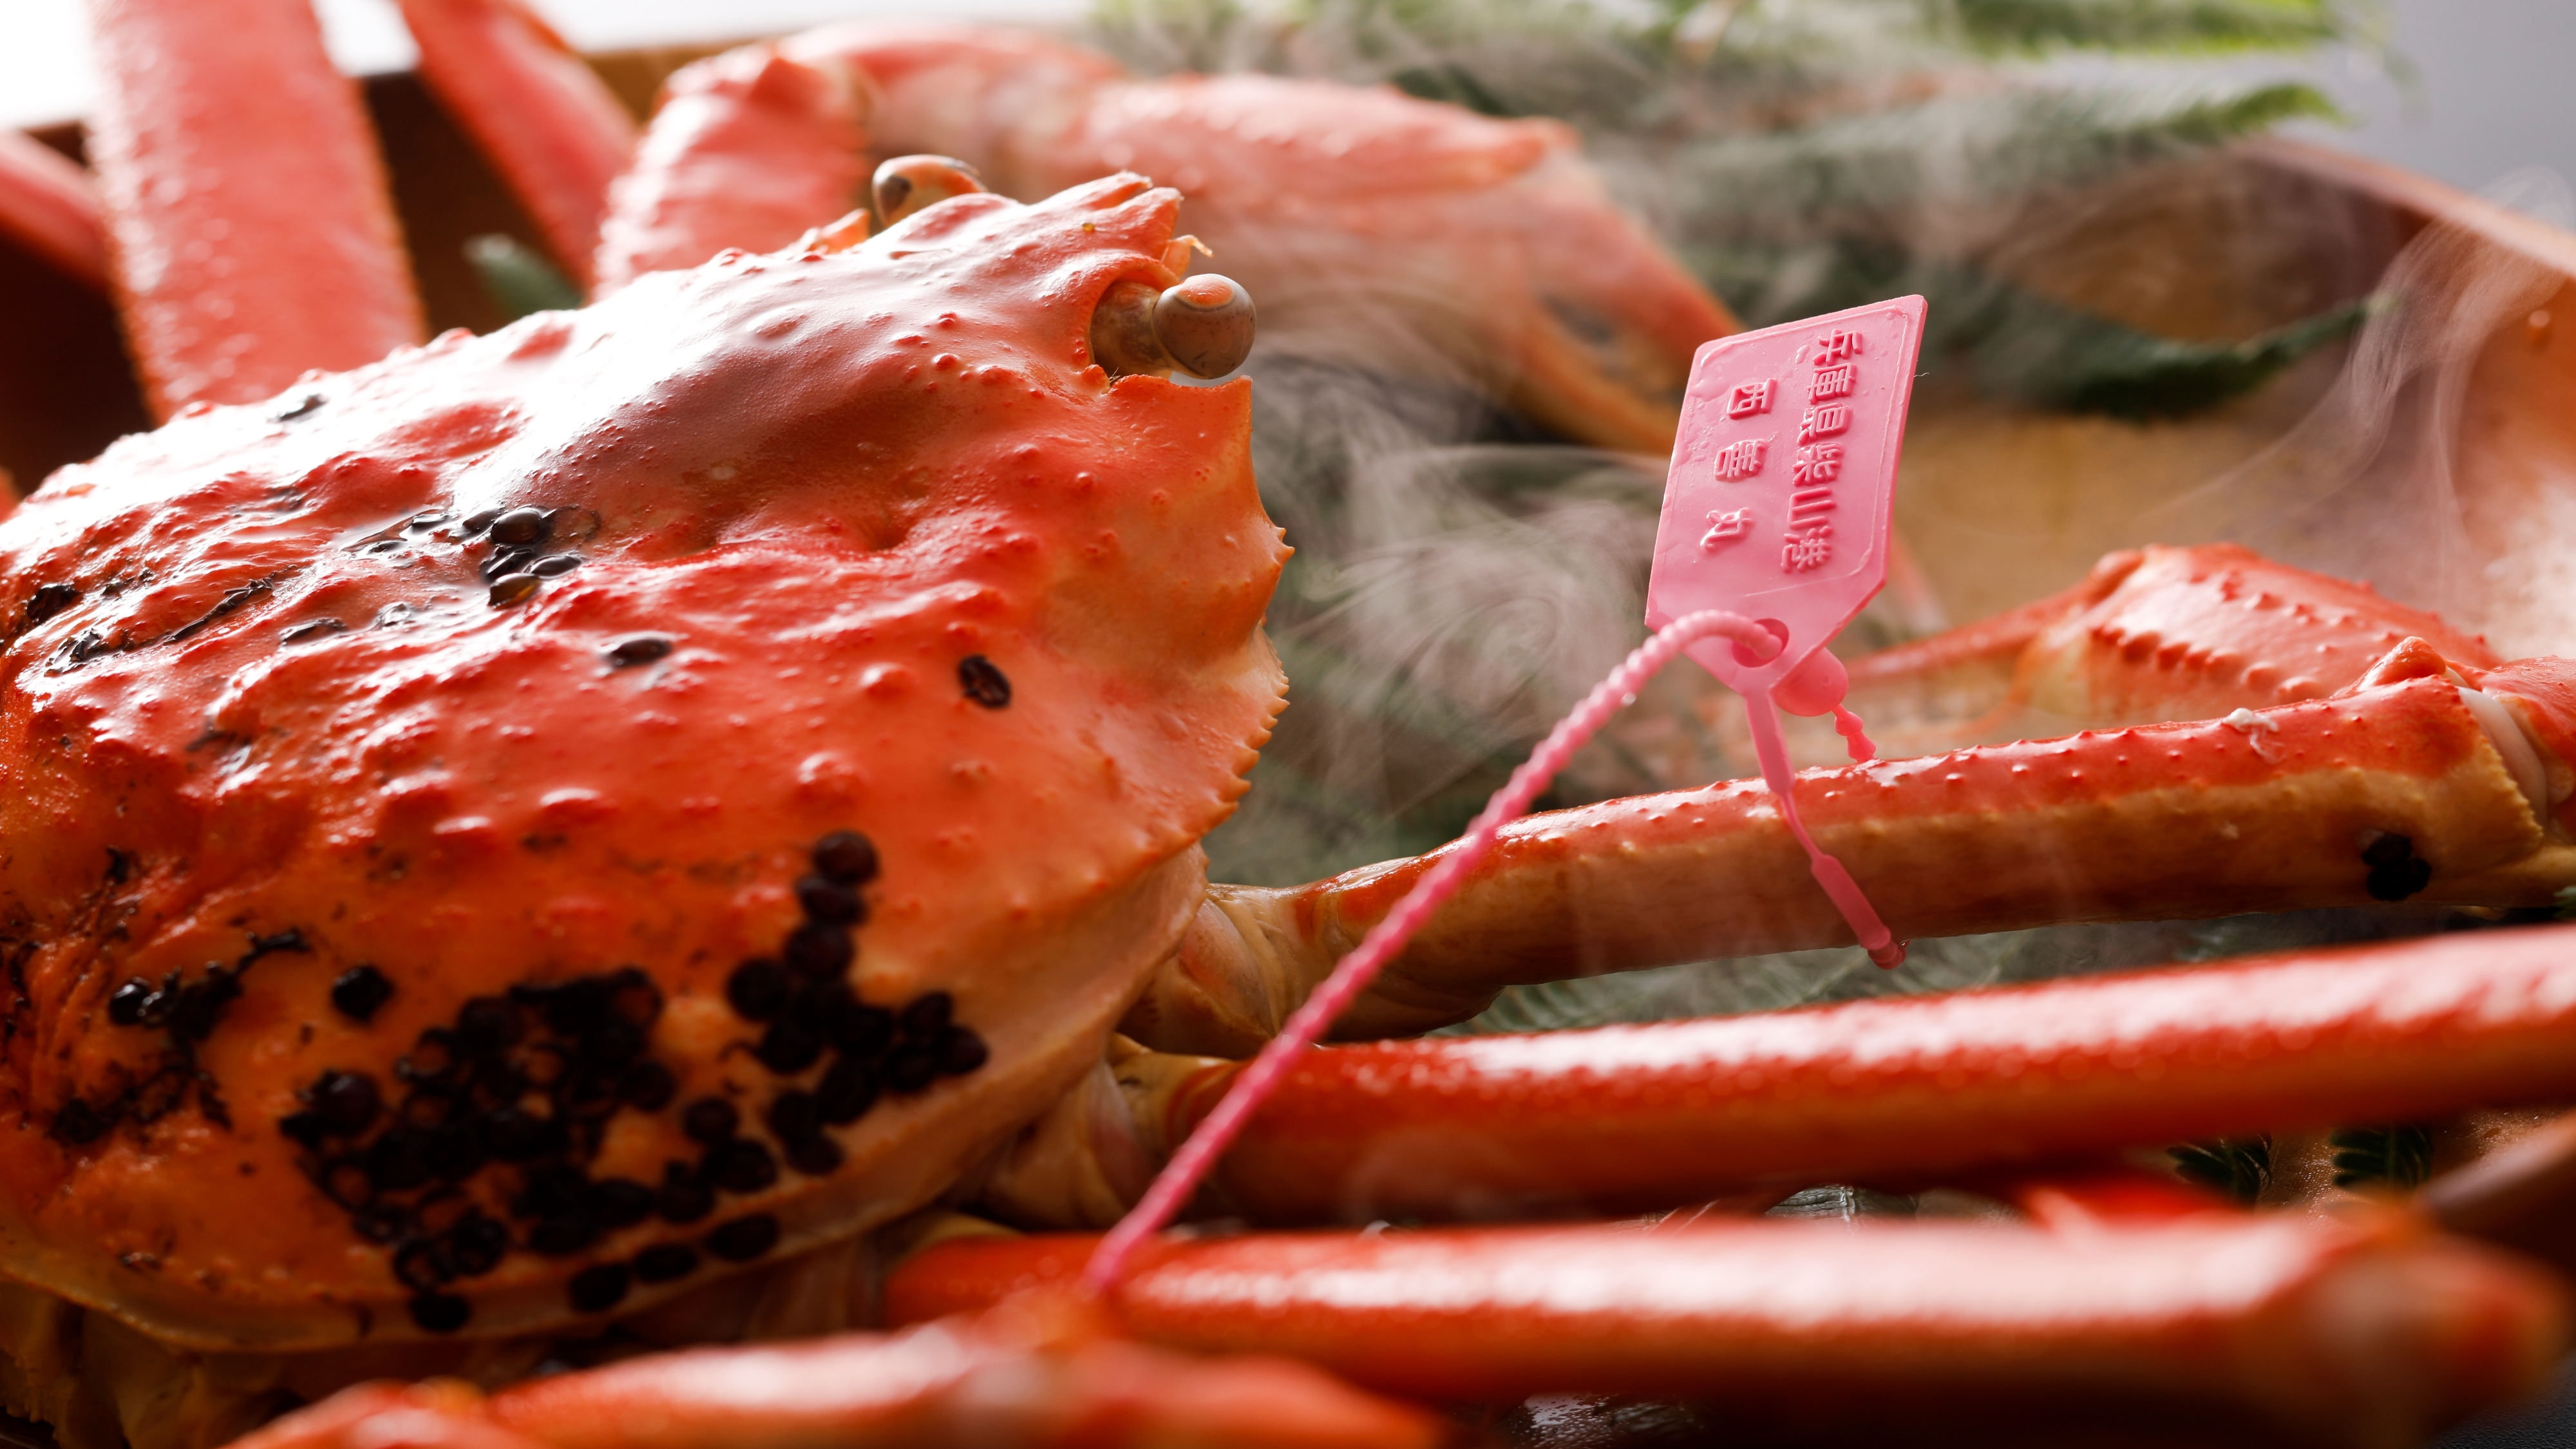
<point x="553" y="814"/>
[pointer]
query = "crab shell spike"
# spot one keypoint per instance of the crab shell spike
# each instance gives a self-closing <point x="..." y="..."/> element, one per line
<point x="908" y="184"/>
<point x="853" y="542"/>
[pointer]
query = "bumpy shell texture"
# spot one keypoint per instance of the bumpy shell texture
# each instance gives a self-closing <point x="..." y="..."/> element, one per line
<point x="403" y="939"/>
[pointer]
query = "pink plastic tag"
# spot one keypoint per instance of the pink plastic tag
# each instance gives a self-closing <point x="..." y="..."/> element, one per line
<point x="1782" y="483"/>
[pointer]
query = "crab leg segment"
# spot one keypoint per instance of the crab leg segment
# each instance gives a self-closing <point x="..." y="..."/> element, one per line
<point x="1485" y="247"/>
<point x="2388" y="792"/>
<point x="253" y="234"/>
<point x="2152" y="634"/>
<point x="547" y="121"/>
<point x="1909" y="1089"/>
<point x="47" y="206"/>
<point x="2217" y="1324"/>
<point x="748" y="149"/>
<point x="1041" y="1374"/>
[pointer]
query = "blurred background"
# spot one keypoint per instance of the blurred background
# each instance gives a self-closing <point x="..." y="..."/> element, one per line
<point x="2476" y="88"/>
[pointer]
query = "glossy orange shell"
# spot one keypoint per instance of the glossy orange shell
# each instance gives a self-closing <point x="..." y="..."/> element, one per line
<point x="826" y="481"/>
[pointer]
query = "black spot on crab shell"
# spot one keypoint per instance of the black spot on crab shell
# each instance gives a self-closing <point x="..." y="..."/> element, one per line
<point x="846" y="857"/>
<point x="710" y="1119"/>
<point x="793" y="1116"/>
<point x="423" y="1265"/>
<point x="683" y="1198"/>
<point x="627" y="653"/>
<point x="983" y="681"/>
<point x="510" y="589"/>
<point x="559" y="1237"/>
<point x="477" y="1244"/>
<point x="647" y="1086"/>
<point x="311" y="404"/>
<point x="960" y="1051"/>
<point x="759" y="989"/>
<point x="440" y="1312"/>
<point x="818" y="950"/>
<point x="49" y="600"/>
<point x="828" y="902"/>
<point x="846" y="1092"/>
<point x="815" y="1156"/>
<point x="741" y="1166"/>
<point x="665" y="1262"/>
<point x="911" y="1067"/>
<point x="599" y="1288"/>
<point x="507" y="561"/>
<point x="522" y="526"/>
<point x="515" y="1134"/>
<point x="744" y="1239"/>
<point x="79" y="1123"/>
<point x="306" y="633"/>
<point x="2396" y="872"/>
<point x="125" y="1005"/>
<point x="360" y="992"/>
<point x="861" y="1030"/>
<point x="790" y="1046"/>
<point x="928" y="1015"/>
<point x="527" y="1080"/>
<point x="620" y="1202"/>
<point x="347" y="1102"/>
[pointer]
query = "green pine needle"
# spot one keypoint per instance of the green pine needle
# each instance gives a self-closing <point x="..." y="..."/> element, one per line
<point x="2006" y="26"/>
<point x="2398" y="1157"/>
<point x="2238" y="1167"/>
<point x="1993" y="145"/>
<point x="2081" y="363"/>
<point x="518" y="278"/>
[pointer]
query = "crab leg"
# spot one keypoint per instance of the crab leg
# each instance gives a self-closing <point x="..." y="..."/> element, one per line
<point x="1904" y="1090"/>
<point x="2400" y="788"/>
<point x="2151" y="635"/>
<point x="547" y="121"/>
<point x="2350" y="1334"/>
<point x="1040" y="1373"/>
<point x="252" y="233"/>
<point x="1485" y="246"/>
<point x="747" y="149"/>
<point x="47" y="206"/>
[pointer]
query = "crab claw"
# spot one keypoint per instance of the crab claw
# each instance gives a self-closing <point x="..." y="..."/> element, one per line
<point x="1203" y="326"/>
<point x="906" y="184"/>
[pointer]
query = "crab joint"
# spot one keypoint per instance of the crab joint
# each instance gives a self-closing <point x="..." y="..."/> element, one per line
<point x="908" y="184"/>
<point x="1202" y="327"/>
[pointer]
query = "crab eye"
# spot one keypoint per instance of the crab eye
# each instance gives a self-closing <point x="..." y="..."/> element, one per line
<point x="1202" y="327"/>
<point x="1205" y="323"/>
<point x="906" y="184"/>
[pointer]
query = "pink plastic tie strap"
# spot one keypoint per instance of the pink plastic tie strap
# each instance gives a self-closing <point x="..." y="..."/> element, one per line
<point x="1180" y="1178"/>
<point x="1841" y="470"/>
<point x="1783" y="482"/>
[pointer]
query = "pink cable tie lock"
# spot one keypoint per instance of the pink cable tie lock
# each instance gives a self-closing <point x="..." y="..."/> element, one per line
<point x="1783" y="479"/>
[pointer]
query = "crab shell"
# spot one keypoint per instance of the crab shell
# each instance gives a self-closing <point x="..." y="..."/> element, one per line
<point x="266" y="723"/>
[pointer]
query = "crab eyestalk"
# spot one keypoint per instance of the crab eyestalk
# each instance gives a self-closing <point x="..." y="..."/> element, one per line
<point x="1203" y="326"/>
<point x="908" y="184"/>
